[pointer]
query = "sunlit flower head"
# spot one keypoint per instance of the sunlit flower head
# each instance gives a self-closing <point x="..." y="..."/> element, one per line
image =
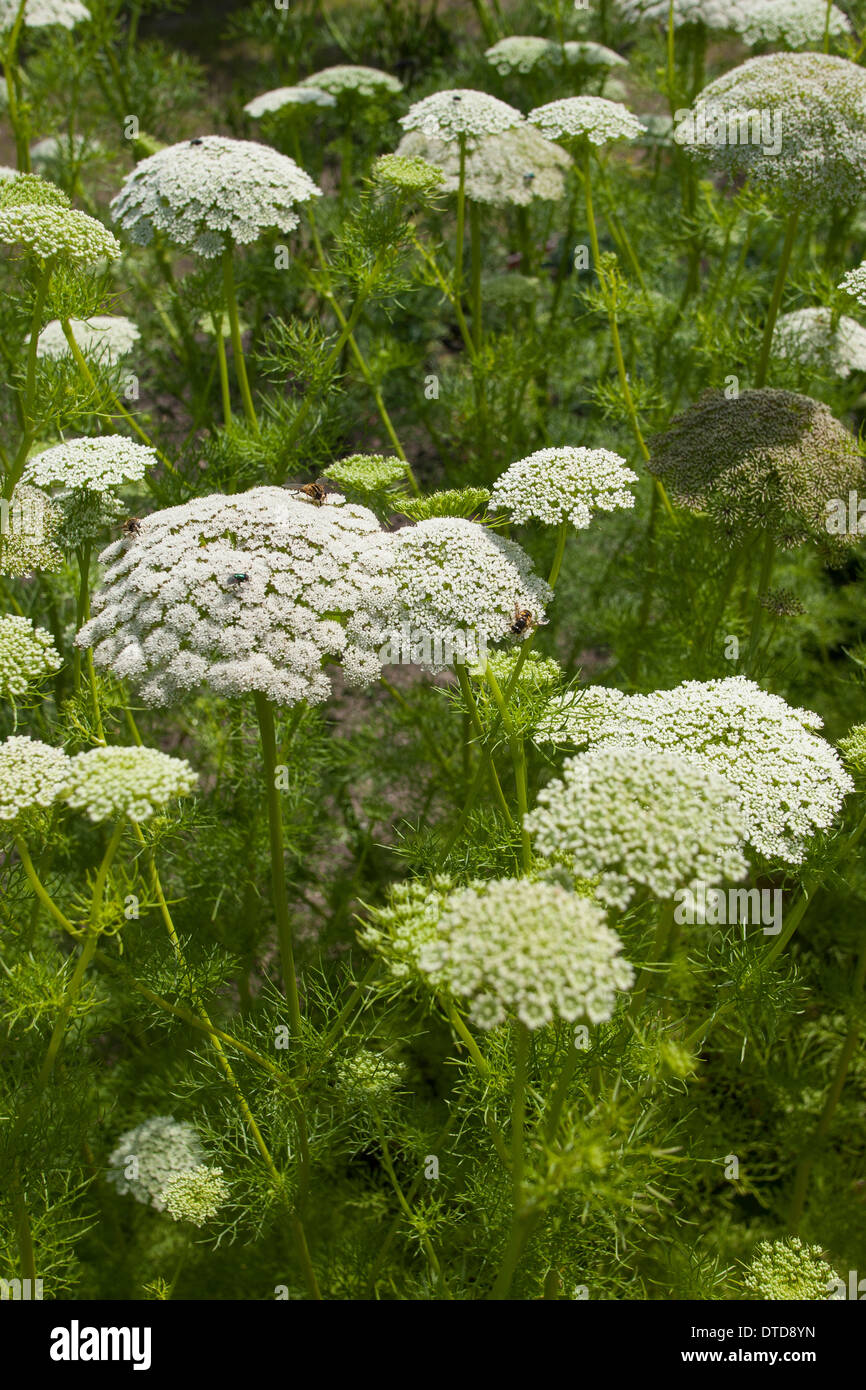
<point x="460" y="114"/>
<point x="32" y="776"/>
<point x="27" y="655"/>
<point x="634" y="818"/>
<point x="564" y="485"/>
<point x="529" y="950"/>
<point x="595" y="119"/>
<point x="260" y="591"/>
<point x="208" y="193"/>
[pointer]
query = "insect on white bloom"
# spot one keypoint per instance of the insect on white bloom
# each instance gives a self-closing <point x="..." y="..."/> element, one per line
<point x="460" y="114"/>
<point x="261" y="591"/>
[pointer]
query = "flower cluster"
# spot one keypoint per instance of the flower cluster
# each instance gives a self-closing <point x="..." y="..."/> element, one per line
<point x="795" y="23"/>
<point x="28" y="535"/>
<point x="788" y="781"/>
<point x="408" y="174"/>
<point x="282" y="97"/>
<point x="793" y="122"/>
<point x="195" y="1194"/>
<point x="206" y="193"/>
<point x="152" y="1153"/>
<point x="853" y="748"/>
<point x="788" y="1270"/>
<point x="52" y="230"/>
<point x="522" y="53"/>
<point x="260" y="591"/>
<point x="96" y="463"/>
<point x="581" y="715"/>
<point x="109" y="782"/>
<point x="352" y="78"/>
<point x="454" y="576"/>
<point x="632" y="817"/>
<point x="32" y="774"/>
<point x="367" y="473"/>
<point x="31" y="188"/>
<point x="43" y="14"/>
<point x="854" y="283"/>
<point x="27" y="656"/>
<point x="369" y="1076"/>
<point x="811" y="337"/>
<point x="784" y="457"/>
<point x="460" y="114"/>
<point x="514" y="168"/>
<point x="398" y="931"/>
<point x="532" y="950"/>
<point x="595" y="119"/>
<point x="105" y="337"/>
<point x="567" y="484"/>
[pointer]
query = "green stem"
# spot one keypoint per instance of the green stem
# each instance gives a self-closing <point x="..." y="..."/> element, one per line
<point x="222" y="362"/>
<point x="265" y="716"/>
<point x="116" y="407"/>
<point x="513" y="1250"/>
<point x="775" y="302"/>
<point x="475" y="283"/>
<point x="764" y="574"/>
<point x="518" y="760"/>
<point x="237" y="346"/>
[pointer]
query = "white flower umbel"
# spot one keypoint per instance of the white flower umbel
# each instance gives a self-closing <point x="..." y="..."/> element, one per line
<point x="32" y="775"/>
<point x="522" y="53"/>
<point x="27" y="656"/>
<point x="586" y="118"/>
<point x="789" y="781"/>
<point x="564" y="485"/>
<point x="205" y="192"/>
<point x="43" y="14"/>
<point x="345" y="78"/>
<point x="105" y="338"/>
<point x="284" y="98"/>
<point x="195" y="1195"/>
<point x="512" y="169"/>
<point x="810" y="337"/>
<point x="146" y="1157"/>
<point x="28" y="537"/>
<point x="461" y="114"/>
<point x="795" y="23"/>
<point x="51" y="230"/>
<point x="398" y="931"/>
<point x="456" y="577"/>
<point x="788" y="1270"/>
<point x="261" y="591"/>
<point x="854" y="283"/>
<point x="721" y="16"/>
<point x="534" y="951"/>
<point x="109" y="782"/>
<point x="638" y="818"/>
<point x="96" y="463"/>
<point x="792" y="122"/>
<point x="580" y="716"/>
